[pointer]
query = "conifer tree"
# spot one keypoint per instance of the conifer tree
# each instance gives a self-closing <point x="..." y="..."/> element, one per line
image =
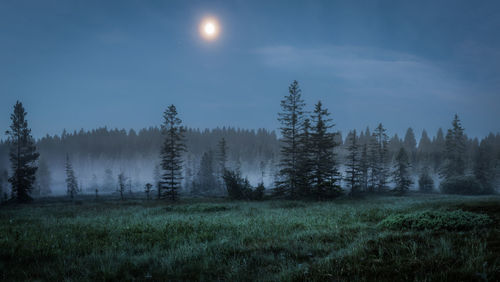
<point x="381" y="169"/>
<point x="71" y="182"/>
<point x="353" y="166"/>
<point x="401" y="172"/>
<point x="122" y="185"/>
<point x="23" y="155"/>
<point x="291" y="119"/>
<point x="364" y="168"/>
<point x="454" y="164"/>
<point x="324" y="172"/>
<point x="171" y="154"/>
<point x="305" y="161"/>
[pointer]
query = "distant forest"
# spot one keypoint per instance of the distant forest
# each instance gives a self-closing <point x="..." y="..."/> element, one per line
<point x="100" y="155"/>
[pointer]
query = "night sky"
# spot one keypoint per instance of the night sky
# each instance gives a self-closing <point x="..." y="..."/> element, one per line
<point x="86" y="64"/>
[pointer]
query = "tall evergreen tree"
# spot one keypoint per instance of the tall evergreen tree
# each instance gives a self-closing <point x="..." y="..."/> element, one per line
<point x="71" y="182"/>
<point x="121" y="184"/>
<point x="353" y="165"/>
<point x="401" y="172"/>
<point x="325" y="175"/>
<point x="382" y="172"/>
<point x="484" y="166"/>
<point x="171" y="153"/>
<point x="364" y="168"/>
<point x="23" y="155"/>
<point x="305" y="161"/>
<point x="291" y="119"/>
<point x="454" y="154"/>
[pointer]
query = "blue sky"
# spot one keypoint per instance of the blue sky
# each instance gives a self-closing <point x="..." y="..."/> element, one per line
<point x="85" y="64"/>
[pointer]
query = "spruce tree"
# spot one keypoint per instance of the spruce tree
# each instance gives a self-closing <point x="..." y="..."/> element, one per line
<point x="291" y="119"/>
<point x="353" y="166"/>
<point x="401" y="174"/>
<point x="121" y="185"/>
<point x="425" y="181"/>
<point x="71" y="182"/>
<point x="324" y="172"/>
<point x="454" y="164"/>
<point x="381" y="169"/>
<point x="171" y="154"/>
<point x="304" y="161"/>
<point x="364" y="168"/>
<point x="23" y="155"/>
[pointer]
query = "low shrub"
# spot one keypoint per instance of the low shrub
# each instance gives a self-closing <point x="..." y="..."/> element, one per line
<point x="457" y="220"/>
<point x="463" y="185"/>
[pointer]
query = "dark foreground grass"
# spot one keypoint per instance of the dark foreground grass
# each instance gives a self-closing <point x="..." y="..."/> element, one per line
<point x="342" y="240"/>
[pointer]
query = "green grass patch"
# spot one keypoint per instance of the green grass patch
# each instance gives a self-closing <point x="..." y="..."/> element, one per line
<point x="456" y="220"/>
<point x="214" y="240"/>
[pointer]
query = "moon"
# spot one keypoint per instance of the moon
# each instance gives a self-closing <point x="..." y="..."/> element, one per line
<point x="209" y="28"/>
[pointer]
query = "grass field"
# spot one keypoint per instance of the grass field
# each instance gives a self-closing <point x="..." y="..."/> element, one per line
<point x="445" y="238"/>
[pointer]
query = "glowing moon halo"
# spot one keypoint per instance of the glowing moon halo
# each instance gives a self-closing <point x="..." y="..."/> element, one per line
<point x="209" y="29"/>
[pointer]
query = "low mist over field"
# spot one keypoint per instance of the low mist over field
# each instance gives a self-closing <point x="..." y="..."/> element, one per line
<point x="249" y="140"/>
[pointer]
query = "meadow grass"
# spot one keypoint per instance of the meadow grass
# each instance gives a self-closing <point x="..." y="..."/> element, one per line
<point x="194" y="239"/>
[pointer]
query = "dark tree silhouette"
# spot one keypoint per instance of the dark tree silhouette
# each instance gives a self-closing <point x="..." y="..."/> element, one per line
<point x="171" y="154"/>
<point x="122" y="185"/>
<point x="401" y="172"/>
<point x="71" y="182"/>
<point x="23" y="155"/>
<point x="325" y="175"/>
<point x="291" y="119"/>
<point x="454" y="154"/>
<point x="353" y="167"/>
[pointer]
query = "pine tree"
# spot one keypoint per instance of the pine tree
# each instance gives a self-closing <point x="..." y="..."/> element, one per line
<point x="325" y="175"/>
<point x="206" y="181"/>
<point x="454" y="154"/>
<point x="353" y="167"/>
<point x="364" y="168"/>
<point x="23" y="155"/>
<point x="291" y="119"/>
<point x="171" y="154"/>
<point x="304" y="161"/>
<point x="121" y="185"/>
<point x="71" y="182"/>
<point x="222" y="162"/>
<point x="381" y="169"/>
<point x="401" y="172"/>
<point x="157" y="180"/>
<point x="373" y="164"/>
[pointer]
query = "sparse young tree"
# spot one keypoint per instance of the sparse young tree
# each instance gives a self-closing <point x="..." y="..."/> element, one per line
<point x="353" y="165"/>
<point x="222" y="156"/>
<point x="401" y="172"/>
<point x="148" y="188"/>
<point x="325" y="175"/>
<point x="171" y="154"/>
<point x="454" y="164"/>
<point x="157" y="180"/>
<point x="121" y="185"/>
<point x="291" y="119"/>
<point x="71" y="182"/>
<point x="23" y="155"/>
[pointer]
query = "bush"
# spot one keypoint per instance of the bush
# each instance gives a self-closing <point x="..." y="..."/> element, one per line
<point x="463" y="185"/>
<point x="457" y="220"/>
<point x="239" y="188"/>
